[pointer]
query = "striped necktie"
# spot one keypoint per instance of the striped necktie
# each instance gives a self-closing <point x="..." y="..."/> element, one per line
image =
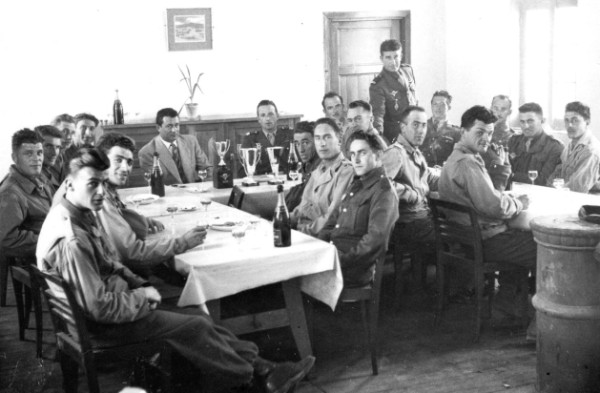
<point x="175" y="154"/>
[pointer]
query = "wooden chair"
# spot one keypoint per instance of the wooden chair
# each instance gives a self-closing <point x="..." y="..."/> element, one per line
<point x="236" y="198"/>
<point x="368" y="296"/>
<point x="75" y="346"/>
<point x="4" y="264"/>
<point x="452" y="239"/>
<point x="27" y="294"/>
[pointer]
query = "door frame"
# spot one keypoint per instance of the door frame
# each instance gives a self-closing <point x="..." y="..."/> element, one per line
<point x="331" y="17"/>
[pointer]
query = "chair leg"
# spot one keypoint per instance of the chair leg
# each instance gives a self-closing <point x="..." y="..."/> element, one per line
<point x="28" y="305"/>
<point x="18" y="289"/>
<point x="39" y="320"/>
<point x="90" y="373"/>
<point x="373" y="310"/>
<point x="479" y="283"/>
<point x="70" y="369"/>
<point x="3" y="280"/>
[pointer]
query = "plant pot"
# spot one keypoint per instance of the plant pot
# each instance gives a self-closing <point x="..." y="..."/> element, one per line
<point x="192" y="111"/>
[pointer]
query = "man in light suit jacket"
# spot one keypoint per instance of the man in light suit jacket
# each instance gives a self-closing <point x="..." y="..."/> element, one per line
<point x="180" y="156"/>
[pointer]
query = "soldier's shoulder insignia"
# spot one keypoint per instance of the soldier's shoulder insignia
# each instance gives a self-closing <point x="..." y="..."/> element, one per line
<point x="377" y="79"/>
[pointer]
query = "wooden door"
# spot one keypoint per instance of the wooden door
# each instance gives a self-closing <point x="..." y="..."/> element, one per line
<point x="352" y="49"/>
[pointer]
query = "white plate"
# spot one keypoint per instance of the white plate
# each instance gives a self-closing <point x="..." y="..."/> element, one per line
<point x="142" y="199"/>
<point x="189" y="208"/>
<point x="192" y="189"/>
<point x="223" y="227"/>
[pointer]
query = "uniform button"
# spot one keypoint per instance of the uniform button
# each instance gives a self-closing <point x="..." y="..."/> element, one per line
<point x="337" y="225"/>
<point x="351" y="194"/>
<point x="345" y="210"/>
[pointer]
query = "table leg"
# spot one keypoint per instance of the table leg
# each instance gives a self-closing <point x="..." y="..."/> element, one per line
<point x="297" y="318"/>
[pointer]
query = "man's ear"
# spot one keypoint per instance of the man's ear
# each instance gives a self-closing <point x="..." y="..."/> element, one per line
<point x="69" y="183"/>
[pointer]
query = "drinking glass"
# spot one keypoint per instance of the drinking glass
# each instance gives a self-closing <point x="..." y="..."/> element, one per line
<point x="202" y="174"/>
<point x="239" y="232"/>
<point x="205" y="202"/>
<point x="172" y="209"/>
<point x="294" y="174"/>
<point x="558" y="183"/>
<point x="532" y="176"/>
<point x="147" y="176"/>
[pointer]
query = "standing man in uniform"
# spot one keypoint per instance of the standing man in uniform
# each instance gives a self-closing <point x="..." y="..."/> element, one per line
<point x="441" y="135"/>
<point x="392" y="90"/>
<point x="334" y="108"/>
<point x="269" y="136"/>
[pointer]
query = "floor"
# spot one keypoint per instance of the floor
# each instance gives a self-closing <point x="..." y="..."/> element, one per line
<point x="414" y="356"/>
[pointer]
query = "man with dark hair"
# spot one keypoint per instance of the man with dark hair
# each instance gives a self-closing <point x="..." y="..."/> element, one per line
<point x="305" y="147"/>
<point x="533" y="149"/>
<point x="122" y="308"/>
<point x="413" y="179"/>
<point x="333" y="107"/>
<point x="580" y="162"/>
<point x="392" y="90"/>
<point x="269" y="136"/>
<point x="52" y="146"/>
<point x="85" y="127"/>
<point x="360" y="118"/>
<point x="25" y="198"/>
<point x="465" y="180"/>
<point x="66" y="125"/>
<point x="441" y="135"/>
<point x="360" y="225"/>
<point x="180" y="156"/>
<point x="327" y="182"/>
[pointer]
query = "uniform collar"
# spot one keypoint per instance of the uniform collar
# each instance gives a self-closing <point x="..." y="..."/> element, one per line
<point x="83" y="217"/>
<point x="401" y="140"/>
<point x="327" y="164"/>
<point x="583" y="140"/>
<point x="372" y="177"/>
<point x="26" y="183"/>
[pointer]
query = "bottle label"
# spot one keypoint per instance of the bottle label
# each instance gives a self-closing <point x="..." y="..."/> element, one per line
<point x="277" y="237"/>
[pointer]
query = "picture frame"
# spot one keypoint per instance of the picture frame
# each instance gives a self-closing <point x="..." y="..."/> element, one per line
<point x="189" y="29"/>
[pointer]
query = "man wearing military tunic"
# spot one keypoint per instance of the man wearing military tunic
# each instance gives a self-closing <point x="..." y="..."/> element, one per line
<point x="392" y="90"/>
<point x="269" y="135"/>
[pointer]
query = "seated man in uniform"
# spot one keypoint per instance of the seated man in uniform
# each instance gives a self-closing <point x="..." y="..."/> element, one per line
<point x="269" y="136"/>
<point x="128" y="229"/>
<point x="441" y="135"/>
<point x="327" y="182"/>
<point x="180" y="156"/>
<point x="25" y="197"/>
<point x="465" y="180"/>
<point x="534" y="149"/>
<point x="580" y="162"/>
<point x="85" y="130"/>
<point x="304" y="135"/>
<point x="360" y="226"/>
<point x="52" y="146"/>
<point x="360" y="118"/>
<point x="334" y="108"/>
<point x="496" y="158"/>
<point x="66" y="125"/>
<point x="122" y="308"/>
<point x="413" y="179"/>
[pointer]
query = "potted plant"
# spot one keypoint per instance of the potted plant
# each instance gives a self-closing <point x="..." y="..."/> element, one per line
<point x="191" y="106"/>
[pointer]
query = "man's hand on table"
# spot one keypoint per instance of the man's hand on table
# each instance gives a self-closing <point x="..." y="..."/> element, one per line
<point x="153" y="297"/>
<point x="155" y="226"/>
<point x="524" y="198"/>
<point x="194" y="237"/>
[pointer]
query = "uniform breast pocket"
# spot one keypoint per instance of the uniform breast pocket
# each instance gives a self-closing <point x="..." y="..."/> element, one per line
<point x="358" y="216"/>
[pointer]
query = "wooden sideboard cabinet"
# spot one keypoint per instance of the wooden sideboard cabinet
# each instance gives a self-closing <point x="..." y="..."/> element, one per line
<point x="208" y="129"/>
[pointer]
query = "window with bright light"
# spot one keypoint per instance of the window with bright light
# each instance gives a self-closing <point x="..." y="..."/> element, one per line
<point x="549" y="32"/>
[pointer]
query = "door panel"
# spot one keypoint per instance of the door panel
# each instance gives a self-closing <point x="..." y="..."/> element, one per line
<point x="352" y="50"/>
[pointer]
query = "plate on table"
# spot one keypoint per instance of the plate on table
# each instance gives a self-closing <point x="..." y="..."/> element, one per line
<point x="188" y="208"/>
<point x="223" y="226"/>
<point x="191" y="189"/>
<point x="142" y="199"/>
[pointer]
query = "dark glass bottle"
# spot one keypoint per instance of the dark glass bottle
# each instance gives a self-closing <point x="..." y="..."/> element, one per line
<point x="118" y="110"/>
<point x="282" y="226"/>
<point x="223" y="175"/>
<point x="157" y="186"/>
<point x="293" y="161"/>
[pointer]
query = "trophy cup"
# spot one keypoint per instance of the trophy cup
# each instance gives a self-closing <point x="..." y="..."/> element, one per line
<point x="223" y="178"/>
<point x="249" y="157"/>
<point x="274" y="157"/>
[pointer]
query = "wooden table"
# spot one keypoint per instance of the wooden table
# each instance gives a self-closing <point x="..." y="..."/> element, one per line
<point x="259" y="200"/>
<point x="220" y="267"/>
<point x="546" y="201"/>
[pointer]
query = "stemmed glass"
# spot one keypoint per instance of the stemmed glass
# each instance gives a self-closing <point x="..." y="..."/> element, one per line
<point x="532" y="176"/>
<point x="202" y="174"/>
<point x="148" y="176"/>
<point x="172" y="209"/>
<point x="239" y="232"/>
<point x="294" y="174"/>
<point x="205" y="202"/>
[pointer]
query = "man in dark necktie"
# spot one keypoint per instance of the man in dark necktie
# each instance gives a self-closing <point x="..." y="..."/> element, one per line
<point x="406" y="166"/>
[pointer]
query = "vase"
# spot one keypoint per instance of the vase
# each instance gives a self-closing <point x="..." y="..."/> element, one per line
<point x="192" y="111"/>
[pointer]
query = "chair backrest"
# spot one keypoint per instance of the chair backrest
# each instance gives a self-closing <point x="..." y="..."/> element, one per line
<point x="449" y="232"/>
<point x="236" y="198"/>
<point x="68" y="319"/>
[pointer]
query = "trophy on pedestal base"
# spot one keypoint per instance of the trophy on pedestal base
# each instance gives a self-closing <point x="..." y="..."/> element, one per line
<point x="222" y="176"/>
<point x="249" y="156"/>
<point x="274" y="158"/>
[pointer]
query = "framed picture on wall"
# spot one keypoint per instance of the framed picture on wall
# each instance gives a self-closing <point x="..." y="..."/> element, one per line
<point x="189" y="28"/>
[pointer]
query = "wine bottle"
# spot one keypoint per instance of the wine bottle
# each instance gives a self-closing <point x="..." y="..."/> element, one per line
<point x="282" y="226"/>
<point x="157" y="186"/>
<point x="293" y="161"/>
<point x="118" y="110"/>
